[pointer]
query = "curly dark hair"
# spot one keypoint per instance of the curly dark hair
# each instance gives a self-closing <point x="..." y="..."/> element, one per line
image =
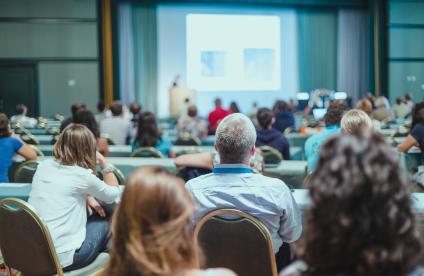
<point x="335" y="113"/>
<point x="360" y="221"/>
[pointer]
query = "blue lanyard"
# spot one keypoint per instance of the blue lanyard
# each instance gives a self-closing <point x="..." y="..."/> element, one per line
<point x="232" y="170"/>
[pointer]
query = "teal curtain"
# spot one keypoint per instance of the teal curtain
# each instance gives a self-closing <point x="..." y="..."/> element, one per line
<point x="144" y="26"/>
<point x="317" y="41"/>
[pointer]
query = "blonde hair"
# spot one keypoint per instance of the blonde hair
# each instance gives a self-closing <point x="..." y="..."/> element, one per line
<point x="152" y="230"/>
<point x="365" y="105"/>
<point x="356" y="121"/>
<point x="76" y="145"/>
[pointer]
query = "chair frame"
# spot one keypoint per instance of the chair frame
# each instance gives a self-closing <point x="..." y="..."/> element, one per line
<point x="137" y="150"/>
<point x="242" y="215"/>
<point x="271" y="150"/>
<point x="31" y="211"/>
<point x="37" y="150"/>
<point x="19" y="168"/>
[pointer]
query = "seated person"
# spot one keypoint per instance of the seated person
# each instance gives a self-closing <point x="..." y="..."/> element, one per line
<point x="284" y="117"/>
<point x="22" y="118"/>
<point x="217" y="115"/>
<point x="366" y="106"/>
<point x="268" y="136"/>
<point x="64" y="187"/>
<point x="401" y="109"/>
<point x="117" y="128"/>
<point x="332" y="126"/>
<point x="102" y="112"/>
<point x="159" y="243"/>
<point x="74" y="109"/>
<point x="233" y="184"/>
<point x="85" y="117"/>
<point x="360" y="220"/>
<point x="356" y="122"/>
<point x="10" y="144"/>
<point x="416" y="135"/>
<point x="382" y="112"/>
<point x="148" y="135"/>
<point x="192" y="124"/>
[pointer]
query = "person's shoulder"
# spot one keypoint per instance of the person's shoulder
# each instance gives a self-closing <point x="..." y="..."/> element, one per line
<point x="198" y="182"/>
<point x="269" y="181"/>
<point x="211" y="272"/>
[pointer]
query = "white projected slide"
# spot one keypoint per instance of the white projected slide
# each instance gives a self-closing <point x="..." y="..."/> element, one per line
<point x="233" y="52"/>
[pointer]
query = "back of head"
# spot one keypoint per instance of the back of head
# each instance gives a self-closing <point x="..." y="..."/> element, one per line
<point x="264" y="117"/>
<point x="218" y="102"/>
<point x="418" y="114"/>
<point x="335" y="113"/>
<point x="361" y="202"/>
<point x="382" y="102"/>
<point x="365" y="105"/>
<point x="76" y="145"/>
<point x="86" y="117"/>
<point x="135" y="108"/>
<point x="356" y="122"/>
<point x="235" y="137"/>
<point x="101" y="106"/>
<point x="192" y="111"/>
<point x="408" y="97"/>
<point x="21" y="109"/>
<point x="280" y="105"/>
<point x="152" y="227"/>
<point x="77" y="107"/>
<point x="116" y="109"/>
<point x="147" y="131"/>
<point x="399" y="101"/>
<point x="4" y="126"/>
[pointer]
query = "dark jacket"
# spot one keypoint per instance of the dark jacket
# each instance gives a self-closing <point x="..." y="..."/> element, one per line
<point x="275" y="139"/>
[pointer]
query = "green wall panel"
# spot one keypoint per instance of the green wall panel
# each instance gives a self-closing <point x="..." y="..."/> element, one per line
<point x="62" y="84"/>
<point x="400" y="80"/>
<point x="406" y="42"/>
<point x="406" y="12"/>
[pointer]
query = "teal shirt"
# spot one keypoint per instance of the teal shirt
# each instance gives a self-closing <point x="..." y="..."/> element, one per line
<point x="313" y="145"/>
<point x="164" y="145"/>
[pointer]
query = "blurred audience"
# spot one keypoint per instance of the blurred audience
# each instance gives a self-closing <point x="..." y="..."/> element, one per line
<point x="192" y="125"/>
<point x="117" y="128"/>
<point x="102" y="112"/>
<point x="11" y="144"/>
<point x="232" y="184"/>
<point x="22" y="118"/>
<point x="217" y="115"/>
<point x="332" y="126"/>
<point x="85" y="117"/>
<point x="360" y="220"/>
<point x="284" y="118"/>
<point x="366" y="106"/>
<point x="416" y="135"/>
<point x="74" y="108"/>
<point x="234" y="108"/>
<point x="356" y="122"/>
<point x="408" y="100"/>
<point x="382" y="111"/>
<point x="148" y="135"/>
<point x="401" y="109"/>
<point x="268" y="136"/>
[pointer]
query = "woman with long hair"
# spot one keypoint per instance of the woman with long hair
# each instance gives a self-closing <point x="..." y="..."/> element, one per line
<point x="87" y="118"/>
<point x="416" y="135"/>
<point x="63" y="188"/>
<point x="148" y="135"/>
<point x="360" y="220"/>
<point x="152" y="229"/>
<point x="11" y="144"/>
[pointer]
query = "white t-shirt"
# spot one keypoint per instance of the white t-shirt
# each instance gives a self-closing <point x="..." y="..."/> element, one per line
<point x="118" y="128"/>
<point x="59" y="195"/>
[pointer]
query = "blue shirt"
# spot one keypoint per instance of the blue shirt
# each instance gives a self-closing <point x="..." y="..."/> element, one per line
<point x="313" y="145"/>
<point x="236" y="186"/>
<point x="9" y="146"/>
<point x="163" y="144"/>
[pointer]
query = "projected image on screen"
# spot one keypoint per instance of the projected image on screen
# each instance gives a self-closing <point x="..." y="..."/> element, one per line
<point x="233" y="52"/>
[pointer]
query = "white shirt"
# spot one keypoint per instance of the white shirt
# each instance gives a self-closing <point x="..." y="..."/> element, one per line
<point x="117" y="127"/>
<point x="59" y="195"/>
<point x="25" y="121"/>
<point x="268" y="199"/>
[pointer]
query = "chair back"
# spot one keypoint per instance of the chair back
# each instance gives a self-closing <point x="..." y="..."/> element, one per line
<point x="270" y="155"/>
<point x="241" y="243"/>
<point x="25" y="241"/>
<point x="146" y="152"/>
<point x="187" y="140"/>
<point x="25" y="171"/>
<point x="117" y="172"/>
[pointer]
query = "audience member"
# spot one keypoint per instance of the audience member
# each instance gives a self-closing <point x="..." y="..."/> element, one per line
<point x="416" y="135"/>
<point x="152" y="231"/>
<point x="232" y="184"/>
<point x="408" y="100"/>
<point x="64" y="187"/>
<point x="85" y="117"/>
<point x="192" y="125"/>
<point x="148" y="135"/>
<point x="284" y="118"/>
<point x="74" y="108"/>
<point x="366" y="106"/>
<point x="401" y="109"/>
<point x="356" y="122"/>
<point x="217" y="115"/>
<point x="267" y="136"/>
<point x="10" y="144"/>
<point x="360" y="221"/>
<point x="382" y="112"/>
<point x="102" y="112"/>
<point x="234" y="108"/>
<point x="22" y="118"/>
<point x="332" y="126"/>
<point x="135" y="109"/>
<point x="117" y="128"/>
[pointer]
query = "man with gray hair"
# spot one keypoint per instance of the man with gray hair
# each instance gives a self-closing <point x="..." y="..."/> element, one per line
<point x="233" y="184"/>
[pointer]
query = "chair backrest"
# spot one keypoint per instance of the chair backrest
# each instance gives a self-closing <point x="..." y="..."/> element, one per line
<point x="187" y="140"/>
<point x="25" y="241"/>
<point x="241" y="243"/>
<point x="37" y="150"/>
<point x="270" y="155"/>
<point x="146" y="152"/>
<point x="117" y="172"/>
<point x="25" y="171"/>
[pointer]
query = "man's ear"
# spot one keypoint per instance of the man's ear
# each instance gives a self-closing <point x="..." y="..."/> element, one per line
<point x="253" y="150"/>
